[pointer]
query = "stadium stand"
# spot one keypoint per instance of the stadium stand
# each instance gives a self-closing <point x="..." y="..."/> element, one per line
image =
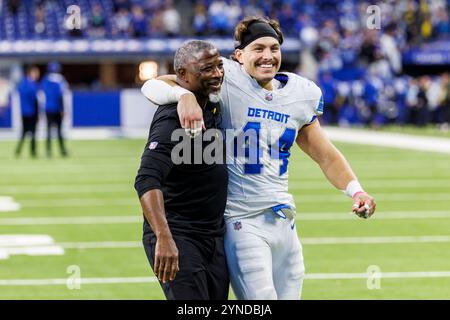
<point x="369" y="75"/>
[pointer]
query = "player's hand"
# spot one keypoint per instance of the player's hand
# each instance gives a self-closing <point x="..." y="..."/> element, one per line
<point x="363" y="205"/>
<point x="191" y="115"/>
<point x="166" y="259"/>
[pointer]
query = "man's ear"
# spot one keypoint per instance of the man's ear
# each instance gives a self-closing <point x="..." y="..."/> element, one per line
<point x="238" y="56"/>
<point x="182" y="74"/>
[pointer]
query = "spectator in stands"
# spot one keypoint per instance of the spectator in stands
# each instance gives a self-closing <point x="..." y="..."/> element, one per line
<point x="434" y="96"/>
<point x="14" y="6"/>
<point x="218" y="17"/>
<point x="97" y="22"/>
<point x="39" y="20"/>
<point x="369" y="48"/>
<point x="445" y="102"/>
<point x="138" y="22"/>
<point x="121" y="4"/>
<point x="426" y="27"/>
<point x="156" y="24"/>
<point x="370" y="98"/>
<point x="121" y="23"/>
<point x="411" y="99"/>
<point x="309" y="36"/>
<point x="54" y="86"/>
<point x="329" y="36"/>
<point x="28" y="89"/>
<point x="390" y="50"/>
<point x="328" y="86"/>
<point x="200" y="20"/>
<point x="418" y="101"/>
<point x="171" y="19"/>
<point x="287" y="19"/>
<point x="442" y="27"/>
<point x="234" y="13"/>
<point x="152" y="5"/>
<point x="411" y="17"/>
<point x="253" y="9"/>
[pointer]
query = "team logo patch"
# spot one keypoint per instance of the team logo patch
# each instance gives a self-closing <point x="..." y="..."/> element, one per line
<point x="153" y="145"/>
<point x="237" y="225"/>
<point x="269" y="96"/>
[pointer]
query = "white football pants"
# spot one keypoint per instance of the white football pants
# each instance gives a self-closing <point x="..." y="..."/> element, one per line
<point x="264" y="257"/>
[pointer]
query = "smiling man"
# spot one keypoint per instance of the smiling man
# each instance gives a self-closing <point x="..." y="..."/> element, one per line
<point x="184" y="203"/>
<point x="263" y="251"/>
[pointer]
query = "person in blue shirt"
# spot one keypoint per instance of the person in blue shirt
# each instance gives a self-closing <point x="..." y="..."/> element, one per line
<point x="53" y="86"/>
<point x="27" y="89"/>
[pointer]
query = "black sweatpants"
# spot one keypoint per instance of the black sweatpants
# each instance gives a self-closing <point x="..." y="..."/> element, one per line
<point x="54" y="119"/>
<point x="28" y="126"/>
<point x="203" y="271"/>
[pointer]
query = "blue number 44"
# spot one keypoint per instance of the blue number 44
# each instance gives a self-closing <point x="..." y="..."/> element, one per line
<point x="283" y="145"/>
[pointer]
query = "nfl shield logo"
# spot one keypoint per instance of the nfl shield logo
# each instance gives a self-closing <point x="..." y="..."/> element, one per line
<point x="269" y="96"/>
<point x="237" y="225"/>
<point x="153" y="145"/>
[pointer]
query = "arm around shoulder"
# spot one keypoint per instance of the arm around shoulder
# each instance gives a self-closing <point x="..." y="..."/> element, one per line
<point x="163" y="90"/>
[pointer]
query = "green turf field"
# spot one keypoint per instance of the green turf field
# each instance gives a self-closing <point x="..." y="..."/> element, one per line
<point x="87" y="204"/>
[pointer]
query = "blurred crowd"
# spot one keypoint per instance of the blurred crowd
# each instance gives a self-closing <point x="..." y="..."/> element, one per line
<point x="355" y="54"/>
<point x="413" y="21"/>
<point x="401" y="100"/>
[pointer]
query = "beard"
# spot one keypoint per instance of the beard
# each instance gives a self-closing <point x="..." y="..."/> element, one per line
<point x="214" y="97"/>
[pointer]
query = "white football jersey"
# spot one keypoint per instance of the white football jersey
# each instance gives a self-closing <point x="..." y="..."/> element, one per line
<point x="258" y="165"/>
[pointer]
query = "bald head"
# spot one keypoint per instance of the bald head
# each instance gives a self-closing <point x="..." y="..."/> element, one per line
<point x="190" y="52"/>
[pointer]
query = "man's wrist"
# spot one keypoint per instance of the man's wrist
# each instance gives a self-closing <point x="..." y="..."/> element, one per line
<point x="164" y="234"/>
<point x="353" y="188"/>
<point x="178" y="92"/>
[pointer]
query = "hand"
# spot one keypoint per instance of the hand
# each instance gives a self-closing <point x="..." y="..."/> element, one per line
<point x="191" y="115"/>
<point x="363" y="205"/>
<point x="166" y="259"/>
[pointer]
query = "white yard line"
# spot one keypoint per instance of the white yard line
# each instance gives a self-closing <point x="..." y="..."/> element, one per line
<point x="369" y="183"/>
<point x="304" y="241"/>
<point x="62" y="189"/>
<point x="101" y="245"/>
<point x="310" y="198"/>
<point x="393" y="140"/>
<point x="8" y="204"/>
<point x="391" y="275"/>
<point x="374" y="240"/>
<point x="46" y="282"/>
<point x="382" y="215"/>
<point x="311" y="276"/>
<point x="385" y="197"/>
<point x="293" y="185"/>
<point x="16" y="169"/>
<point x="79" y="202"/>
<point x="26" y="244"/>
<point x="120" y="168"/>
<point x="71" y="220"/>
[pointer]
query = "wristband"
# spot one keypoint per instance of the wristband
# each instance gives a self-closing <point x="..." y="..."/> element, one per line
<point x="161" y="93"/>
<point x="352" y="188"/>
<point x="178" y="91"/>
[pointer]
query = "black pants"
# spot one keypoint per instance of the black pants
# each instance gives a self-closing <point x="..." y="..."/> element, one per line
<point x="203" y="271"/>
<point x="54" y="119"/>
<point x="28" y="126"/>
